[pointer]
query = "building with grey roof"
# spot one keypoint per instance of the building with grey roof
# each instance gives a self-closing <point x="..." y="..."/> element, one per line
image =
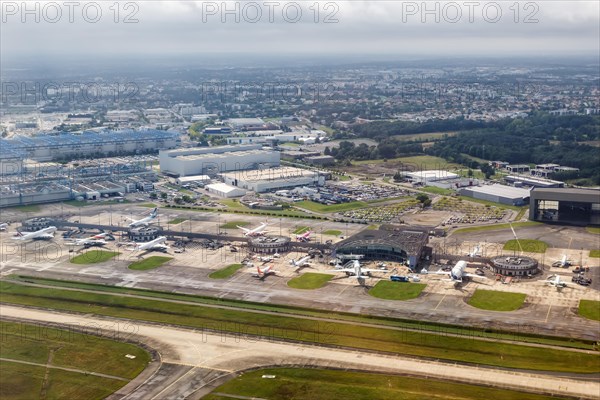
<point x="498" y="194"/>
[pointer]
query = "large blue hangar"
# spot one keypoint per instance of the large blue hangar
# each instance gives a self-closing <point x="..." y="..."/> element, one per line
<point x="389" y="242"/>
<point x="565" y="205"/>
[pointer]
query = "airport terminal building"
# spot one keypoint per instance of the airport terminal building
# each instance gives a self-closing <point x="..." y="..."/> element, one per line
<point x="565" y="205"/>
<point x="389" y="242"/>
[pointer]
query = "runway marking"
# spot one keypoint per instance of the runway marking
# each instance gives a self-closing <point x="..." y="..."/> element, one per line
<point x="343" y="290"/>
<point x="173" y="383"/>
<point x="548" y="313"/>
<point x="440" y="302"/>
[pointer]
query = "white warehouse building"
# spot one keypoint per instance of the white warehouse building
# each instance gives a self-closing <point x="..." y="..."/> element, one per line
<point x="214" y="160"/>
<point x="224" y="190"/>
<point x="263" y="180"/>
<point x="498" y="194"/>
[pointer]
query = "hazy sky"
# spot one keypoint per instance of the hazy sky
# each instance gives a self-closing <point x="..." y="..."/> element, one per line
<point x="395" y="28"/>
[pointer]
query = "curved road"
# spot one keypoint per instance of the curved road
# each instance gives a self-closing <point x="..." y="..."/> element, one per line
<point x="205" y="353"/>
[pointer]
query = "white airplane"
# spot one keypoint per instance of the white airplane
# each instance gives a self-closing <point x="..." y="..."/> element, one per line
<point x="303" y="262"/>
<point x="563" y="262"/>
<point x="258" y="231"/>
<point x="266" y="259"/>
<point x="476" y="252"/>
<point x="556" y="282"/>
<point x="305" y="237"/>
<point x="102" y="235"/>
<point x="87" y="242"/>
<point x="153" y="245"/>
<point x="262" y="273"/>
<point x="3" y="227"/>
<point x="355" y="270"/>
<point x="42" y="234"/>
<point x="144" y="221"/>
<point x="457" y="273"/>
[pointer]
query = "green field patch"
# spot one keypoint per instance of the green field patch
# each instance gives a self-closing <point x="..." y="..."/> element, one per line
<point x="70" y="349"/>
<point x="234" y="224"/>
<point x="589" y="309"/>
<point x="396" y="290"/>
<point x="595" y="253"/>
<point x="149" y="263"/>
<point x="226" y="272"/>
<point x="332" y="232"/>
<point x="27" y="208"/>
<point x="301" y="229"/>
<point x="497" y="301"/>
<point x="593" y="229"/>
<point x="373" y="227"/>
<point x="322" y="384"/>
<point x="176" y="221"/>
<point x="490" y="203"/>
<point x="94" y="257"/>
<point x="496" y="227"/>
<point x="309" y="280"/>
<point x="323" y="208"/>
<point x="437" y="190"/>
<point x="147" y="205"/>
<point x="526" y="245"/>
<point x="343" y="178"/>
<point x="233" y="203"/>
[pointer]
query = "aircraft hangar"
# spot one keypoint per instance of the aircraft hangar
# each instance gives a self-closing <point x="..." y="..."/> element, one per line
<point x="565" y="205"/>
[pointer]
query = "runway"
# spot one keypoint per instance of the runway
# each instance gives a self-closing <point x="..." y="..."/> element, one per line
<point x="206" y="356"/>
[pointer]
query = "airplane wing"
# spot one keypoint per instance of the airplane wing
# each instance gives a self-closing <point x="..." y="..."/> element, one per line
<point x="474" y="276"/>
<point x="45" y="236"/>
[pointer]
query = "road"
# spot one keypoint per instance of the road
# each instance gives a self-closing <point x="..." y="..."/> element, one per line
<point x="199" y="358"/>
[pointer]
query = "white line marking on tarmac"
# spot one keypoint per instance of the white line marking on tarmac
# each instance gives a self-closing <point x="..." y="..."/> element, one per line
<point x="440" y="302"/>
<point x="548" y="313"/>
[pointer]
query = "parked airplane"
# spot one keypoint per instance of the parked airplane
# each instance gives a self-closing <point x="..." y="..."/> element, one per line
<point x="262" y="273"/>
<point x="87" y="242"/>
<point x="305" y="237"/>
<point x="102" y="235"/>
<point x="303" y="262"/>
<point x="153" y="245"/>
<point x="457" y="273"/>
<point x="556" y="282"/>
<point x="258" y="231"/>
<point x="476" y="252"/>
<point x="3" y="227"/>
<point x="266" y="259"/>
<point x="144" y="221"/>
<point x="42" y="234"/>
<point x="355" y="270"/>
<point x="563" y="262"/>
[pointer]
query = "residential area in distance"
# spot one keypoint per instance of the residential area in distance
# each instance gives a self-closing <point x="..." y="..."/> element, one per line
<point x="330" y="220"/>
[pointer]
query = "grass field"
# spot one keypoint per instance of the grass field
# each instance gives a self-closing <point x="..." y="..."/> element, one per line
<point x="373" y="227"/>
<point x="28" y="208"/>
<point x="526" y="245"/>
<point x="322" y="208"/>
<point x="437" y="190"/>
<point x="234" y="204"/>
<point x="234" y="224"/>
<point x="590" y="309"/>
<point x="490" y="203"/>
<point x="397" y="290"/>
<point x="332" y="232"/>
<point x="177" y="221"/>
<point x="296" y="311"/>
<point x="309" y="280"/>
<point x="94" y="257"/>
<point x="148" y="205"/>
<point x="418" y="162"/>
<point x="149" y="263"/>
<point x="496" y="227"/>
<point x="322" y="384"/>
<point x="497" y="301"/>
<point x="424" y="136"/>
<point x="416" y="343"/>
<point x="301" y="229"/>
<point x="226" y="272"/>
<point x="595" y="253"/>
<point x="68" y="349"/>
<point x="593" y="229"/>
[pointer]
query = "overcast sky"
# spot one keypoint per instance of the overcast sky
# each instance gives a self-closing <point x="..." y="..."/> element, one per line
<point x="395" y="28"/>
